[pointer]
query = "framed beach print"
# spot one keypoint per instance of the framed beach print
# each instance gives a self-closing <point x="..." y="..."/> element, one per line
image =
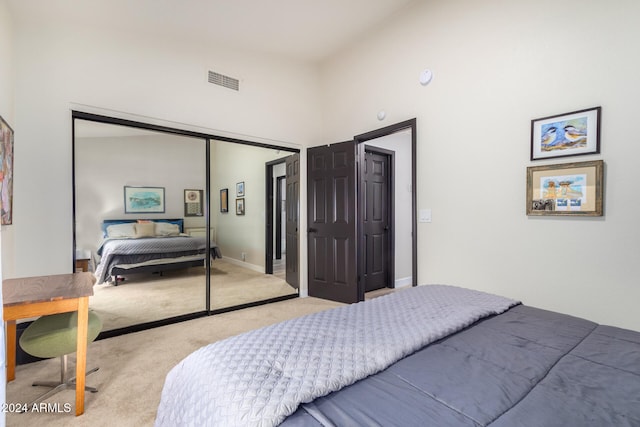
<point x="240" y="189"/>
<point x="566" y="189"/>
<point x="224" y="200"/>
<point x="6" y="172"/>
<point x="143" y="199"/>
<point x="239" y="206"/>
<point x="570" y="134"/>
<point x="193" y="203"/>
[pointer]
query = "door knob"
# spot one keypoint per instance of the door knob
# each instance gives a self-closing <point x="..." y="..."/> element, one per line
<point x="312" y="230"/>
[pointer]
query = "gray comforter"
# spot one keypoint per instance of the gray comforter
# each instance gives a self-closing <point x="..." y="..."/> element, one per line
<point x="525" y="368"/>
<point x="130" y="251"/>
<point x="261" y="377"/>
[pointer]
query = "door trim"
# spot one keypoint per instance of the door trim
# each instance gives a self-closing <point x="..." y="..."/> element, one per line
<point x="388" y="130"/>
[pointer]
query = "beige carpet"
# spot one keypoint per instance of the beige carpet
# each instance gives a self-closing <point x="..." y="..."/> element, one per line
<point x="149" y="297"/>
<point x="133" y="367"/>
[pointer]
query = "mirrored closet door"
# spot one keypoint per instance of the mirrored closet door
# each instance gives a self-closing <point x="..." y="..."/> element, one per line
<point x="175" y="224"/>
<point x="139" y="197"/>
<point x="242" y="227"/>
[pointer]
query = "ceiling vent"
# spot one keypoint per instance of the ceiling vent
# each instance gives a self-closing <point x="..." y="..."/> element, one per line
<point x="224" y="81"/>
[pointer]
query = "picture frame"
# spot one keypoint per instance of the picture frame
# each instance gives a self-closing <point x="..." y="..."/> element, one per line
<point x="240" y="189"/>
<point x="224" y="200"/>
<point x="569" y="189"/>
<point x="570" y="134"/>
<point x="193" y="202"/>
<point x="6" y="173"/>
<point x="143" y="199"/>
<point x="239" y="206"/>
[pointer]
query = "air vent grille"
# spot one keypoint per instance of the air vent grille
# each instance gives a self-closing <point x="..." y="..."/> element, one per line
<point x="224" y="81"/>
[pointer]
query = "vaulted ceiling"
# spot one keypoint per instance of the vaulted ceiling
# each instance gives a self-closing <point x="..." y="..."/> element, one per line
<point x="308" y="30"/>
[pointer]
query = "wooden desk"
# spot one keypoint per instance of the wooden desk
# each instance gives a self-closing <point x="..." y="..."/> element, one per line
<point x="38" y="296"/>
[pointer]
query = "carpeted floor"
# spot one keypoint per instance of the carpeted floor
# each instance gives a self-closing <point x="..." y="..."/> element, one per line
<point x="149" y="297"/>
<point x="133" y="367"/>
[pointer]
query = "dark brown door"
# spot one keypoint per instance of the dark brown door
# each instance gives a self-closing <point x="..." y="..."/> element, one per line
<point x="377" y="233"/>
<point x="332" y="222"/>
<point x="292" y="206"/>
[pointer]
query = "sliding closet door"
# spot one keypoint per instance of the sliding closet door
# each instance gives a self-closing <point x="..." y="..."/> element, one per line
<point x="238" y="221"/>
<point x="114" y="164"/>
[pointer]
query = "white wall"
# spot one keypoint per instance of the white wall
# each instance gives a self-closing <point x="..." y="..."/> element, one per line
<point x="498" y="64"/>
<point x="7" y="82"/>
<point x="237" y="234"/>
<point x="6" y="111"/>
<point x="62" y="65"/>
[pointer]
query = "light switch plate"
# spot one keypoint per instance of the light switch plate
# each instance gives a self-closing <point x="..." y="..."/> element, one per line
<point x="424" y="215"/>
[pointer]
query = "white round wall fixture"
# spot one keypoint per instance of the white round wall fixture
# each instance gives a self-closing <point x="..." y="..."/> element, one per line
<point x="381" y="115"/>
<point x="425" y="77"/>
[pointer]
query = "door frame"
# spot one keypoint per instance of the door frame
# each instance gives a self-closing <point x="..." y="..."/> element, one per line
<point x="391" y="209"/>
<point x="360" y="146"/>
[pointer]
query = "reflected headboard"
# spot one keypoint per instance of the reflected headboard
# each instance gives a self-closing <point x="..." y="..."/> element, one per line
<point x="107" y="222"/>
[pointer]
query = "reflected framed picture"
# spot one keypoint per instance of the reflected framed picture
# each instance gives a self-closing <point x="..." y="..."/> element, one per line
<point x="6" y="172"/>
<point x="570" y="134"/>
<point x="224" y="200"/>
<point x="193" y="202"/>
<point x="566" y="189"/>
<point x="239" y="206"/>
<point x="240" y="189"/>
<point x="143" y="199"/>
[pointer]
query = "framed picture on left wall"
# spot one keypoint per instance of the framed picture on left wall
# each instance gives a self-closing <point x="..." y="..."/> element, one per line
<point x="143" y="199"/>
<point x="6" y="172"/>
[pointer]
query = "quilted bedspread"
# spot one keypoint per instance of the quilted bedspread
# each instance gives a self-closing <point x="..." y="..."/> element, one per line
<point x="260" y="377"/>
<point x="144" y="249"/>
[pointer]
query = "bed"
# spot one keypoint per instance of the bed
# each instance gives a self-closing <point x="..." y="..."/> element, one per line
<point x="148" y="246"/>
<point x="426" y="356"/>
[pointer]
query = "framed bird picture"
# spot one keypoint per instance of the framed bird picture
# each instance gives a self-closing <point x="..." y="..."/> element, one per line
<point x="570" y="134"/>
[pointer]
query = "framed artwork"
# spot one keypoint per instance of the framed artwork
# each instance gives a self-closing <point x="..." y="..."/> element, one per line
<point x="240" y="189"/>
<point x="239" y="206"/>
<point x="193" y="203"/>
<point x="570" y="134"/>
<point x="224" y="200"/>
<point x="566" y="189"/>
<point x="143" y="199"/>
<point x="6" y="172"/>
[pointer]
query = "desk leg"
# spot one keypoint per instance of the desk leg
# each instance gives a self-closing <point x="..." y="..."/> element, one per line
<point x="81" y="354"/>
<point x="11" y="350"/>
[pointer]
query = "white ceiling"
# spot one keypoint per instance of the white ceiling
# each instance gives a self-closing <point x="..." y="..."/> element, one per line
<point x="308" y="30"/>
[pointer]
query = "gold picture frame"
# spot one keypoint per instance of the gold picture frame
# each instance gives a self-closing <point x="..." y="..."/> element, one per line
<point x="569" y="189"/>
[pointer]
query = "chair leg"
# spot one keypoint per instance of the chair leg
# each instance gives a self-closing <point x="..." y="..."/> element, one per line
<point x="64" y="382"/>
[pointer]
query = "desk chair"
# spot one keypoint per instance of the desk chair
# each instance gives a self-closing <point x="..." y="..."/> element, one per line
<point x="55" y="336"/>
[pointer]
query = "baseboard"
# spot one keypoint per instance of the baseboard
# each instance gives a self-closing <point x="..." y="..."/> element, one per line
<point x="258" y="268"/>
<point x="405" y="281"/>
